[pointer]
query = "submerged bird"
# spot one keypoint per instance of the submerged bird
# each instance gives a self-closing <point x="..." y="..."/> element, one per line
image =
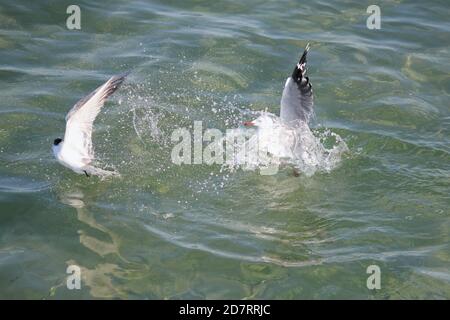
<point x="297" y="99"/>
<point x="75" y="151"/>
<point x="283" y="138"/>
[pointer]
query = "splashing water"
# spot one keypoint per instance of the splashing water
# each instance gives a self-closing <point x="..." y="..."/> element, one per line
<point x="273" y="143"/>
<point x="308" y="151"/>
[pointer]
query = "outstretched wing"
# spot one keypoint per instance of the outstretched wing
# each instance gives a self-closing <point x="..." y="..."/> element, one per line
<point x="81" y="117"/>
<point x="297" y="99"/>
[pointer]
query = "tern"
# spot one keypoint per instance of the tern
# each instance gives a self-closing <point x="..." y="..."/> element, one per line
<point x="75" y="151"/>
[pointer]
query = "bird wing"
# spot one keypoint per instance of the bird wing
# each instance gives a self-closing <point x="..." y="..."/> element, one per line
<point x="81" y="117"/>
<point x="297" y="99"/>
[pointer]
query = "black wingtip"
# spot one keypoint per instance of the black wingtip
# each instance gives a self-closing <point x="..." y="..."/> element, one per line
<point x="125" y="74"/>
<point x="300" y="68"/>
<point x="305" y="53"/>
<point x="120" y="77"/>
<point x="117" y="80"/>
<point x="113" y="84"/>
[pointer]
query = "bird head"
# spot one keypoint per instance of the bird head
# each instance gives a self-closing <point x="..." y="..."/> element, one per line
<point x="260" y="122"/>
<point x="57" y="144"/>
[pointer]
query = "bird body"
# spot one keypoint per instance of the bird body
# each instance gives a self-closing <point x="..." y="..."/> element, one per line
<point x="75" y="151"/>
<point x="70" y="157"/>
<point x="283" y="137"/>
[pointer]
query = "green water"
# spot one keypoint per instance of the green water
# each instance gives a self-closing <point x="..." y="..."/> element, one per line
<point x="196" y="231"/>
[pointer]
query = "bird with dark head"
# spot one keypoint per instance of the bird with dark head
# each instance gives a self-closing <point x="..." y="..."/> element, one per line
<point x="75" y="151"/>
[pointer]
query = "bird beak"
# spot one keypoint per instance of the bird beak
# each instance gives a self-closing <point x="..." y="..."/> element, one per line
<point x="248" y="124"/>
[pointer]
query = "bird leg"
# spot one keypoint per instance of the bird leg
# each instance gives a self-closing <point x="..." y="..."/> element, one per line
<point x="87" y="175"/>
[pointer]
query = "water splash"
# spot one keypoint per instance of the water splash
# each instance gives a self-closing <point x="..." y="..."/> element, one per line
<point x="273" y="143"/>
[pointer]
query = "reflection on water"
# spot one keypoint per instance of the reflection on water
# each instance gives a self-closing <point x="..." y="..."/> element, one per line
<point x="99" y="278"/>
<point x="102" y="248"/>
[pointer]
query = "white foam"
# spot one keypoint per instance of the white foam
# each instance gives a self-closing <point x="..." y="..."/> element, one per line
<point x="280" y="145"/>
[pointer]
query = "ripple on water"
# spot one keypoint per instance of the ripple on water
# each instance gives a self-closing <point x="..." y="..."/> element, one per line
<point x="22" y="185"/>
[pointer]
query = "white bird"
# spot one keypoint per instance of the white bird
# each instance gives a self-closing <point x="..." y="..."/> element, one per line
<point x="297" y="99"/>
<point x="75" y="151"/>
<point x="281" y="139"/>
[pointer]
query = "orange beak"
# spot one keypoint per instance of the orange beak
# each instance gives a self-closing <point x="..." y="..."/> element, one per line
<point x="248" y="124"/>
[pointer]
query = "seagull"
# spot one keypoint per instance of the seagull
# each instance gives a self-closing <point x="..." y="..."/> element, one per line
<point x="75" y="151"/>
<point x="297" y="98"/>
<point x="295" y="112"/>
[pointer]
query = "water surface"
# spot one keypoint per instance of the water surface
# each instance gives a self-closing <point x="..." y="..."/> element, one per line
<point x="196" y="231"/>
